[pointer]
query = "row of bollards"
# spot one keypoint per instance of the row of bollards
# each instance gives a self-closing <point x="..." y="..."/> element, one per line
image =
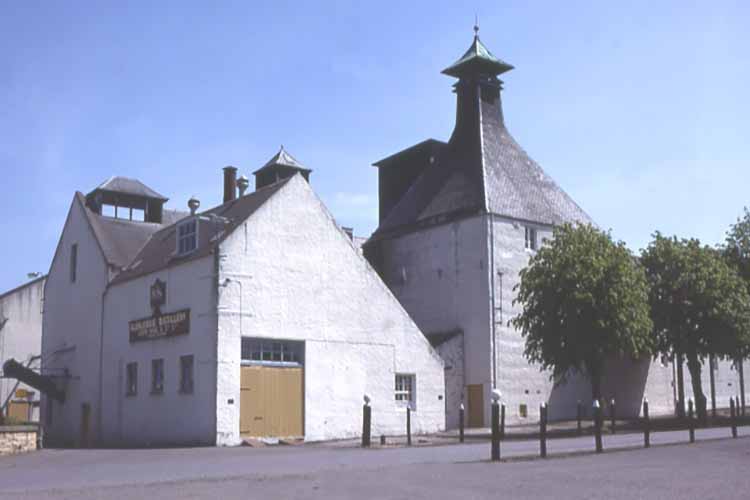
<point x="498" y="424"/>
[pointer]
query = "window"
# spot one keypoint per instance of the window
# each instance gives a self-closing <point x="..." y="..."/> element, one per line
<point x="530" y="238"/>
<point x="157" y="376"/>
<point x="271" y="351"/>
<point x="131" y="388"/>
<point x="187" y="237"/>
<point x="186" y="374"/>
<point x="405" y="388"/>
<point x="73" y="262"/>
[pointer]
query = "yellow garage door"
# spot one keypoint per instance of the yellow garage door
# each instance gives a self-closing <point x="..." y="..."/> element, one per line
<point x="271" y="401"/>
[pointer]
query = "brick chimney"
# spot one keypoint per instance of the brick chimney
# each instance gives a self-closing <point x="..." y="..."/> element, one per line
<point x="230" y="183"/>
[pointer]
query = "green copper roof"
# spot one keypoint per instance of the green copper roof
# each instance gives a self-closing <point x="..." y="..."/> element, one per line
<point x="478" y="59"/>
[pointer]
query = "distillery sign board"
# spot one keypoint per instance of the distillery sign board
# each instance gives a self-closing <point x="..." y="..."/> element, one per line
<point x="160" y="324"/>
<point x="164" y="325"/>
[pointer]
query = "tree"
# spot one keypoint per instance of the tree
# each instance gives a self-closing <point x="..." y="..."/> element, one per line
<point x="737" y="252"/>
<point x="699" y="306"/>
<point x="584" y="300"/>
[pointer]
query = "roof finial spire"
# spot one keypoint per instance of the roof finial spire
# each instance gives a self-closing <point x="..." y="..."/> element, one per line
<point x="476" y="26"/>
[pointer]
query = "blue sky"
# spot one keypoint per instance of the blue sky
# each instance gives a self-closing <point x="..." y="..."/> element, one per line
<point x="637" y="109"/>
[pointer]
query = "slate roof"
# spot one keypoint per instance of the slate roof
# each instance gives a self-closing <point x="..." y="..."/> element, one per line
<point x="482" y="170"/>
<point x="284" y="159"/>
<point x="119" y="239"/>
<point x="127" y="185"/>
<point x="158" y="252"/>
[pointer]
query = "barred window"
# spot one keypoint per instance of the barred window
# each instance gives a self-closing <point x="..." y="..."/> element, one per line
<point x="405" y="388"/>
<point x="271" y="350"/>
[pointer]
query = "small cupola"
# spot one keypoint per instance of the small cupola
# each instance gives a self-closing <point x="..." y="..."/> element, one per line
<point x="128" y="199"/>
<point x="280" y="167"/>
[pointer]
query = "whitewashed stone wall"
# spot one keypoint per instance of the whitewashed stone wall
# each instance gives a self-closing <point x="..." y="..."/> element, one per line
<point x="170" y="417"/>
<point x="452" y="352"/>
<point x="21" y="335"/>
<point x="440" y="276"/>
<point x="293" y="274"/>
<point x="71" y="329"/>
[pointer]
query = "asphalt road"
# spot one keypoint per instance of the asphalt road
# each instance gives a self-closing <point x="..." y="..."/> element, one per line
<point x="711" y="468"/>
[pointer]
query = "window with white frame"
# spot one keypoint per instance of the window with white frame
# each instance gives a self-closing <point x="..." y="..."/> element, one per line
<point x="187" y="236"/>
<point x="255" y="350"/>
<point x="531" y="238"/>
<point x="405" y="388"/>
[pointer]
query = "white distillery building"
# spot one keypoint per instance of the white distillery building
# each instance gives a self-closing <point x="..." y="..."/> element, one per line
<point x="21" y="340"/>
<point x="458" y="222"/>
<point x="259" y="317"/>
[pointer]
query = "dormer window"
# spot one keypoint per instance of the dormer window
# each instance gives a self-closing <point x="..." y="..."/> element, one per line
<point x="187" y="236"/>
<point x="530" y="238"/>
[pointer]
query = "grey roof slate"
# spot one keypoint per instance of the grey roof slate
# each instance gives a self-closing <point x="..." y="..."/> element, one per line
<point x="129" y="186"/>
<point x="483" y="170"/>
<point x="159" y="251"/>
<point x="118" y="239"/>
<point x="284" y="159"/>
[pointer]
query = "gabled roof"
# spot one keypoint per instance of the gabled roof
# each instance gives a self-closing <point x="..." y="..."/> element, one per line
<point x="119" y="239"/>
<point x="427" y="144"/>
<point x="213" y="226"/>
<point x="129" y="186"/>
<point x="477" y="59"/>
<point x="283" y="159"/>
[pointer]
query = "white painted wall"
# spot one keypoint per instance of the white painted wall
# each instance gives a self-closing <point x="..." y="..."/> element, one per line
<point x="440" y="276"/>
<point x="295" y="275"/>
<point x="21" y="335"/>
<point x="170" y="417"/>
<point x="71" y="328"/>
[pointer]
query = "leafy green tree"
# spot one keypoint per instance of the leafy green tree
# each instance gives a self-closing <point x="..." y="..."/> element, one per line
<point x="584" y="300"/>
<point x="699" y="306"/>
<point x="737" y="252"/>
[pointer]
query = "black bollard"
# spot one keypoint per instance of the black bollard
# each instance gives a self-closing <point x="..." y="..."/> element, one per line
<point x="408" y="426"/>
<point x="691" y="422"/>
<point x="598" y="426"/>
<point x="732" y="417"/>
<point x="495" y="454"/>
<point x="461" y="423"/>
<point x="612" y="414"/>
<point x="366" y="419"/>
<point x="502" y="421"/>
<point x="646" y="426"/>
<point x="543" y="430"/>
<point x="579" y="416"/>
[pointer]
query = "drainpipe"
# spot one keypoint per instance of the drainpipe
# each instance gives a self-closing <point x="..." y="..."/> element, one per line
<point x="492" y="300"/>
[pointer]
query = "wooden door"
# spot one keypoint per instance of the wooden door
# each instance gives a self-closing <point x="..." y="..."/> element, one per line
<point x="475" y="396"/>
<point x="19" y="411"/>
<point x="271" y="401"/>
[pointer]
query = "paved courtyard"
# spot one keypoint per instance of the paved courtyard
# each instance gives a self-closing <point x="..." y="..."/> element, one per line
<point x="715" y="467"/>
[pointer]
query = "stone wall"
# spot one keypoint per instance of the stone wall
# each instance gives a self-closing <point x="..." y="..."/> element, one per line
<point x="17" y="439"/>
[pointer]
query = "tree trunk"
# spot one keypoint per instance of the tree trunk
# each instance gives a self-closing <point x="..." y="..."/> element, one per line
<point x="680" y="387"/>
<point x="741" y="370"/>
<point x="711" y="371"/>
<point x="594" y="370"/>
<point x="694" y="365"/>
